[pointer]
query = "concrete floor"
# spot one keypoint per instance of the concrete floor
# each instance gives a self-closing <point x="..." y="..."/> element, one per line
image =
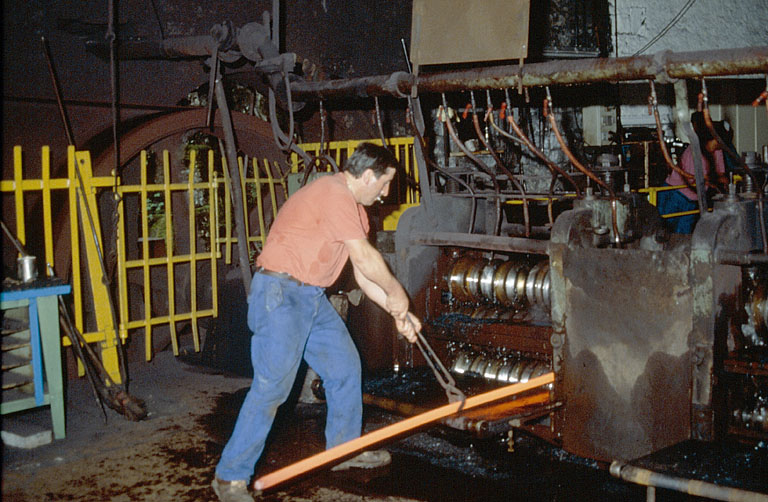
<point x="171" y="455"/>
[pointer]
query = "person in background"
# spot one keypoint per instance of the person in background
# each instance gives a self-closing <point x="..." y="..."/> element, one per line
<point x="714" y="168"/>
<point x="318" y="228"/>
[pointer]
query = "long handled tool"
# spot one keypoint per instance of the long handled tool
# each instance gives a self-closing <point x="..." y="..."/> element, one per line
<point x="443" y="376"/>
<point x="350" y="447"/>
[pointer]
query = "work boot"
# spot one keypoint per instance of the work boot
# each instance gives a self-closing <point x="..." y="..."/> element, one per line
<point x="366" y="460"/>
<point x="231" y="491"/>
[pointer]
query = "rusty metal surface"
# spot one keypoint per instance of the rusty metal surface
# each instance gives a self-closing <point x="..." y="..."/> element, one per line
<point x="626" y="368"/>
<point x="477" y="241"/>
<point x="661" y="67"/>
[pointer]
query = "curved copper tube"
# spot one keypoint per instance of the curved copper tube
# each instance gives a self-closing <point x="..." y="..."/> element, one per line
<point x="580" y="167"/>
<point x="763" y="96"/>
<point x="654" y="108"/>
<point x="726" y="148"/>
<point x="500" y="165"/>
<point x="554" y="167"/>
<point x="436" y="167"/>
<point x="550" y="194"/>
<point x="443" y="115"/>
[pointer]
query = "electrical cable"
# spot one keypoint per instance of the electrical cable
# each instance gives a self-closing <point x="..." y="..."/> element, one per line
<point x="668" y="27"/>
<point x="157" y="17"/>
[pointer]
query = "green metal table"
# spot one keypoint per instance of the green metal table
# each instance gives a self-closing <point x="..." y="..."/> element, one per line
<point x="40" y="297"/>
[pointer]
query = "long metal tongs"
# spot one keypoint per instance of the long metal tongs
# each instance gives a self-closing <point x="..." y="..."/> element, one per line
<point x="443" y="376"/>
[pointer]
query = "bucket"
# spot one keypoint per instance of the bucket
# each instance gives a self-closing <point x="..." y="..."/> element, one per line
<point x="26" y="268"/>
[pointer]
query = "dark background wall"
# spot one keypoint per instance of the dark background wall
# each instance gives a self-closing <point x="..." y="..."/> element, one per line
<point x="338" y="38"/>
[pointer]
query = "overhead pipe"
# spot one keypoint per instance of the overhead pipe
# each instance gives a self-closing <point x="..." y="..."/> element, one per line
<point x="693" y="487"/>
<point x="661" y="67"/>
<point x="253" y="42"/>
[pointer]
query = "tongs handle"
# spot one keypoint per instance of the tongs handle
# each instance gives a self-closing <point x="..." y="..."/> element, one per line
<point x="443" y="376"/>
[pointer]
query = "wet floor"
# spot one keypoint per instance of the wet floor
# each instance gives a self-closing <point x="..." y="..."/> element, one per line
<point x="171" y="455"/>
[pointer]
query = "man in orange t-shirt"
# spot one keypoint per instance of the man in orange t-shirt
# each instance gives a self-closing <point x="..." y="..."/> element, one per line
<point x="316" y="231"/>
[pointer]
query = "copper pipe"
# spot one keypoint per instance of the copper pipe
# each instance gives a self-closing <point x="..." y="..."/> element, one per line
<point x="500" y="165"/>
<point x="736" y="156"/>
<point x="444" y="172"/>
<point x="653" y="107"/>
<point x="391" y="431"/>
<point x="763" y="96"/>
<point x="580" y="167"/>
<point x="443" y="115"/>
<point x="552" y="166"/>
<point x="550" y="194"/>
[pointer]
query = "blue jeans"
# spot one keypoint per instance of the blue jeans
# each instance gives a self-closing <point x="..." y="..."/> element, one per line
<point x="672" y="201"/>
<point x="289" y="322"/>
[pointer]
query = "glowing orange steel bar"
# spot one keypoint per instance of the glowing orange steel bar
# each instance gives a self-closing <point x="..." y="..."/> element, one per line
<point x="390" y="431"/>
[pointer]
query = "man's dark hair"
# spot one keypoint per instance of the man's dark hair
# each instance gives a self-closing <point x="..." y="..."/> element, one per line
<point x="369" y="156"/>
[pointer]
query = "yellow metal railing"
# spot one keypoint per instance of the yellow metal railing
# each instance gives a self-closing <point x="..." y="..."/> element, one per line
<point x="653" y="198"/>
<point x="341" y="150"/>
<point x="151" y="270"/>
<point x="167" y="259"/>
<point x="42" y="190"/>
<point x="267" y="192"/>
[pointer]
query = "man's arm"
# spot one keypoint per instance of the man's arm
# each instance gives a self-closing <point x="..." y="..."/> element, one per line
<point x="375" y="279"/>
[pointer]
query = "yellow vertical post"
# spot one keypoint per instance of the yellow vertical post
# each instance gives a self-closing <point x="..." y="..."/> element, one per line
<point x="74" y="232"/>
<point x="243" y="167"/>
<point x="215" y="208"/>
<point x="260" y="210"/>
<point x="18" y="181"/>
<point x="145" y="259"/>
<point x="193" y="249"/>
<point x="271" y="182"/>
<point x="93" y="245"/>
<point x="214" y="232"/>
<point x="122" y="279"/>
<point x="171" y="287"/>
<point x="227" y="212"/>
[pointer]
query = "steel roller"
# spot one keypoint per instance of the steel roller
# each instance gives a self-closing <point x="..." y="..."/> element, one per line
<point x="512" y="284"/>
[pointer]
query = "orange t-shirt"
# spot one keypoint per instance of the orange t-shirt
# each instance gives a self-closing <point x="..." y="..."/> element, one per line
<point x="307" y="237"/>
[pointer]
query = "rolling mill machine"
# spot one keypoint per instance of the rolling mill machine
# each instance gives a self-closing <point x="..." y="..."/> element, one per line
<point x="653" y="338"/>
